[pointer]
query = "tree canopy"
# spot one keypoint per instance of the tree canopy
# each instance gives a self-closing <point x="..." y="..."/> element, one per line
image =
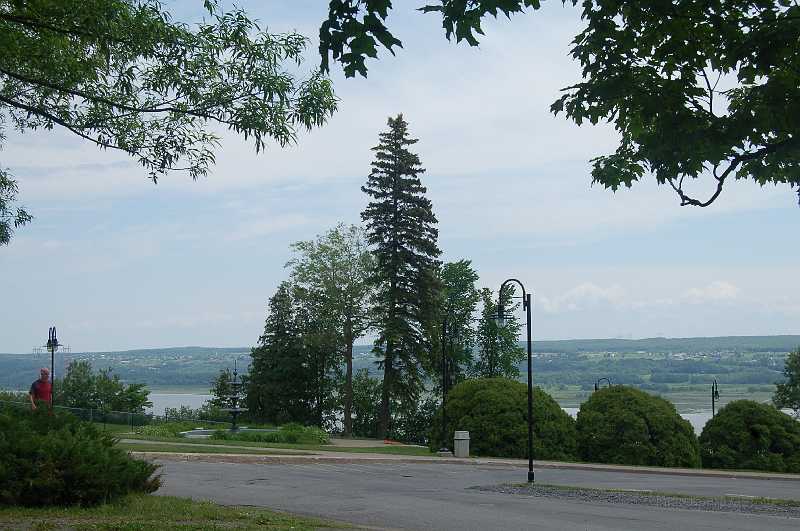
<point x="123" y="75"/>
<point x="787" y="394"/>
<point x="696" y="90"/>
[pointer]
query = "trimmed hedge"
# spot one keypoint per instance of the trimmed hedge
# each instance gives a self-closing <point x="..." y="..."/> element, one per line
<point x="749" y="435"/>
<point x="287" y="434"/>
<point x="627" y="426"/>
<point x="59" y="460"/>
<point x="495" y="412"/>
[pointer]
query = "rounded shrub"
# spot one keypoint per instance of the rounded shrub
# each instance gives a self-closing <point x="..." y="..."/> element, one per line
<point x="495" y="412"/>
<point x="627" y="426"/>
<point x="60" y="460"/>
<point x="749" y="435"/>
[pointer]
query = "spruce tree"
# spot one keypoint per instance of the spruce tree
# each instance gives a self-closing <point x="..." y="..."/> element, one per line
<point x="279" y="375"/>
<point x="402" y="228"/>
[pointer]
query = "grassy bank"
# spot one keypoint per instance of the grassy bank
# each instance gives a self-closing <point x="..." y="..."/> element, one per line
<point x="210" y="443"/>
<point x="157" y="512"/>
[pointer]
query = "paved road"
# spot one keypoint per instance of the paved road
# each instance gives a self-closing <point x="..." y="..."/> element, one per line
<point x="437" y="496"/>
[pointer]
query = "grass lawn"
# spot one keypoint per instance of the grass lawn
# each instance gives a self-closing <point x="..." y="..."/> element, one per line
<point x="197" y="449"/>
<point x="141" y="511"/>
<point x="393" y="450"/>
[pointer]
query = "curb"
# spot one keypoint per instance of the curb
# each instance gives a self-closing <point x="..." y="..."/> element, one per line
<point x="554" y="465"/>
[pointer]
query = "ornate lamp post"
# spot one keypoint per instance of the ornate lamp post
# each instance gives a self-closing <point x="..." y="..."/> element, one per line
<point x="597" y="383"/>
<point x="714" y="398"/>
<point x="501" y="321"/>
<point x="52" y="346"/>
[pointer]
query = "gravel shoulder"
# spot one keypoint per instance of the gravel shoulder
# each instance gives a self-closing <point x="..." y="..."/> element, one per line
<point x="727" y="504"/>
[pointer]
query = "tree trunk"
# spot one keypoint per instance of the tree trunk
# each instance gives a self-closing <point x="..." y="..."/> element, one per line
<point x="348" y="383"/>
<point x="385" y="413"/>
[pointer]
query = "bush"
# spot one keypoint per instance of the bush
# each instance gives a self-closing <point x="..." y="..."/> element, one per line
<point x="627" y="426"/>
<point x="167" y="429"/>
<point x="746" y="434"/>
<point x="288" y="434"/>
<point x="495" y="412"/>
<point x="60" y="460"/>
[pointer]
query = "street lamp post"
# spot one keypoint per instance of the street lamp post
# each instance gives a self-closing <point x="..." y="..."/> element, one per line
<point x="527" y="306"/>
<point x="444" y="449"/>
<point x="714" y="398"/>
<point x="52" y="346"/>
<point x="597" y="383"/>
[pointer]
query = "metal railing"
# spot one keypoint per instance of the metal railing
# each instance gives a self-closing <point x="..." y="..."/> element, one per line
<point x="125" y="418"/>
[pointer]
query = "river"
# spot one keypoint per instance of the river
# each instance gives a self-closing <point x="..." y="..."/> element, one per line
<point x="161" y="401"/>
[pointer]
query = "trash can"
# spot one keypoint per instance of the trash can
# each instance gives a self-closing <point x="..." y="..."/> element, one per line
<point x="461" y="443"/>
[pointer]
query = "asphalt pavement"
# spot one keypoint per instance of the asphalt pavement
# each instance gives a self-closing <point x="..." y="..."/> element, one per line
<point x="438" y="496"/>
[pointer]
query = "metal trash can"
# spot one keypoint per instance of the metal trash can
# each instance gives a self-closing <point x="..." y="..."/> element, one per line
<point x="461" y="443"/>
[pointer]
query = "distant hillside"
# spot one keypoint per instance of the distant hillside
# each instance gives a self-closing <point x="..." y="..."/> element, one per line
<point x="689" y="345"/>
<point x="197" y="366"/>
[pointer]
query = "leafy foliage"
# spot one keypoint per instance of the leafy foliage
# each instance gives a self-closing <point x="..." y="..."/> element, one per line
<point x="59" y="460"/>
<point x="695" y="89"/>
<point x="334" y="271"/>
<point x="495" y="412"/>
<point x="366" y="404"/>
<point x="124" y="76"/>
<point x="11" y="217"/>
<point x="401" y="227"/>
<point x="787" y="393"/>
<point x="748" y="435"/>
<point x="103" y="390"/>
<point x="626" y="426"/>
<point x="289" y="434"/>
<point x="457" y="305"/>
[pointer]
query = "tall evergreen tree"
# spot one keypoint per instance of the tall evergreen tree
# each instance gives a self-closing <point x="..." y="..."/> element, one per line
<point x="279" y="374"/>
<point x="402" y="228"/>
<point x="499" y="353"/>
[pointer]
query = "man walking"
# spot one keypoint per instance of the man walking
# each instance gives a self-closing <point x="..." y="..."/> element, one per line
<point x="41" y="389"/>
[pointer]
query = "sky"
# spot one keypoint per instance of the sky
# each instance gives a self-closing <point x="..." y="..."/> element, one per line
<point x="116" y="262"/>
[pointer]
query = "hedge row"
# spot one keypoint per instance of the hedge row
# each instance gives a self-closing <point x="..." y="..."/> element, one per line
<point x="619" y="425"/>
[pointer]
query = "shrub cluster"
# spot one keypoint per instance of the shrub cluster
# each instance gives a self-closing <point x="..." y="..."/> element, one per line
<point x="167" y="429"/>
<point x="60" y="460"/>
<point x="495" y="412"/>
<point x="289" y="434"/>
<point x="749" y="435"/>
<point x="627" y="426"/>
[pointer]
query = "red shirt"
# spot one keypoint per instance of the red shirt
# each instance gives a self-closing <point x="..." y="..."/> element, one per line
<point x="41" y="390"/>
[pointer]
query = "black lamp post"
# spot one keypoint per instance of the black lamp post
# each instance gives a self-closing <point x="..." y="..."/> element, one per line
<point x="714" y="398"/>
<point x="52" y="346"/>
<point x="445" y="379"/>
<point x="597" y="383"/>
<point x="501" y="321"/>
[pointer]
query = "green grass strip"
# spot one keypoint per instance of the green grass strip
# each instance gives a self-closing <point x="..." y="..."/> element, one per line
<point x="169" y="513"/>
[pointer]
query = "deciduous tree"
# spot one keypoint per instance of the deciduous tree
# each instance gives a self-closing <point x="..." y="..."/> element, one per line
<point x="335" y="270"/>
<point x="123" y="75"/>
<point x="787" y="394"/>
<point x="696" y="90"/>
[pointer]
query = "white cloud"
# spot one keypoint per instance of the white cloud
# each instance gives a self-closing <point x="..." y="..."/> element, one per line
<point x="717" y="291"/>
<point x="583" y="296"/>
